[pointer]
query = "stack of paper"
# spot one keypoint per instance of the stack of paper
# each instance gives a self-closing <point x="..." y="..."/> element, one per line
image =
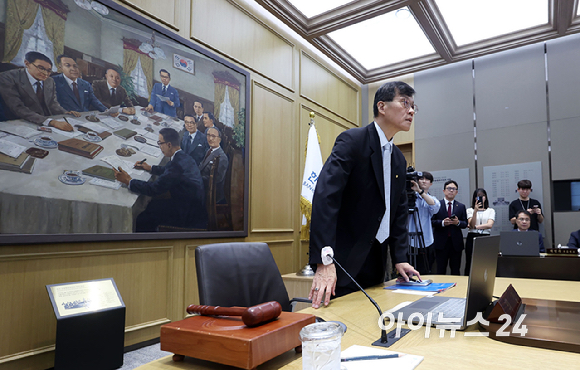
<point x="11" y="149"/>
<point x="111" y="122"/>
<point x="18" y="130"/>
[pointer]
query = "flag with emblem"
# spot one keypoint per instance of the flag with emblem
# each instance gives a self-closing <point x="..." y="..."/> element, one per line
<point x="312" y="168"/>
<point x="183" y="63"/>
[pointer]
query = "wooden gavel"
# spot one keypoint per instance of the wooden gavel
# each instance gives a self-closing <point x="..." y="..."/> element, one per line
<point x="251" y="316"/>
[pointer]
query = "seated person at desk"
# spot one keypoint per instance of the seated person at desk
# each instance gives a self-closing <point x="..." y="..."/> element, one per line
<point x="110" y="92"/>
<point x="185" y="206"/>
<point x="29" y="93"/>
<point x="523" y="224"/>
<point x="214" y="139"/>
<point x="194" y="142"/>
<point x="574" y="241"/>
<point x="72" y="92"/>
<point x="163" y="89"/>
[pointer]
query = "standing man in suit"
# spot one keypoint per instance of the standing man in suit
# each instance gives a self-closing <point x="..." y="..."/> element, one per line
<point x="110" y="92"/>
<point x="215" y="151"/>
<point x="29" y="92"/>
<point x="163" y="89"/>
<point x="180" y="177"/>
<point x="74" y="93"/>
<point x="198" y="115"/>
<point x="194" y="142"/>
<point x="447" y="225"/>
<point x="359" y="207"/>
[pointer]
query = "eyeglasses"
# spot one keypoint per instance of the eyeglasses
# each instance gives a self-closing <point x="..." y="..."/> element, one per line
<point x="42" y="69"/>
<point x="72" y="66"/>
<point x="407" y="104"/>
<point x="450" y="189"/>
<point x="212" y="136"/>
<point x="161" y="143"/>
<point x="190" y="122"/>
<point x="523" y="219"/>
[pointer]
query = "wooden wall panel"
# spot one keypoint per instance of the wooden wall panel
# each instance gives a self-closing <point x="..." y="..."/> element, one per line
<point x="273" y="177"/>
<point x="228" y="28"/>
<point x="143" y="277"/>
<point x="165" y="14"/>
<point x="326" y="89"/>
<point x="283" y="252"/>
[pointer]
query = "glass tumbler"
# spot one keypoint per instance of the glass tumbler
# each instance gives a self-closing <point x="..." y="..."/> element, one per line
<point x="321" y="346"/>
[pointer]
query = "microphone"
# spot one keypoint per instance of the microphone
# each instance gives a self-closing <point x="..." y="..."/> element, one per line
<point x="383" y="341"/>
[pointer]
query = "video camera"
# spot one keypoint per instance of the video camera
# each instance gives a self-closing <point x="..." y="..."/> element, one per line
<point x="411" y="175"/>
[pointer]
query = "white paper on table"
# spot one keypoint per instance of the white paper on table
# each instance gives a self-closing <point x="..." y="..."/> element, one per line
<point x="118" y="162"/>
<point x="110" y="111"/>
<point x="148" y="135"/>
<point x="18" y="130"/>
<point x="3" y="134"/>
<point x="66" y="133"/>
<point x="11" y="149"/>
<point x="144" y="148"/>
<point x="110" y="122"/>
<point x="93" y="126"/>
<point x="105" y="183"/>
<point x="401" y="363"/>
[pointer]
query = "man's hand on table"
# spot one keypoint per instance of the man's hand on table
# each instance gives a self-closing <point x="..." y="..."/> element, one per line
<point x="122" y="176"/>
<point x="149" y="108"/>
<point x="406" y="271"/>
<point x="73" y="113"/>
<point x="61" y="125"/>
<point x="129" y="110"/>
<point x="323" y="285"/>
<point x="142" y="165"/>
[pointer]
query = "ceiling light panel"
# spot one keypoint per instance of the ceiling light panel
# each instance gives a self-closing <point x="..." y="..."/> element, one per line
<point x="476" y="20"/>
<point x="312" y="8"/>
<point x="383" y="40"/>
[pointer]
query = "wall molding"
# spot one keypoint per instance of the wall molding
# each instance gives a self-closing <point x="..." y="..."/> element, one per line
<point x="149" y="14"/>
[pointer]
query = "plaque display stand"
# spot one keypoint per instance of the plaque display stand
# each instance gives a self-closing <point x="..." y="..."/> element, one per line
<point x="547" y="324"/>
<point x="91" y="338"/>
<point x="226" y="340"/>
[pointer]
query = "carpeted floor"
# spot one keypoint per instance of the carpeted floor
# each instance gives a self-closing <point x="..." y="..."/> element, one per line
<point x="134" y="359"/>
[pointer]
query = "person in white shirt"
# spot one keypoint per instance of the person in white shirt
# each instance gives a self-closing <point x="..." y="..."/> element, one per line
<point x="480" y="219"/>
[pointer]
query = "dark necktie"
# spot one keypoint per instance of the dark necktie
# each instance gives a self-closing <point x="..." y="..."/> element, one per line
<point x="76" y="91"/>
<point x="206" y="155"/>
<point x="113" y="95"/>
<point x="164" y="90"/>
<point x="40" y="96"/>
<point x="449" y="215"/>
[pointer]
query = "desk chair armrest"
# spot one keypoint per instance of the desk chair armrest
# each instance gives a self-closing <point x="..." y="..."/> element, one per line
<point x="293" y="302"/>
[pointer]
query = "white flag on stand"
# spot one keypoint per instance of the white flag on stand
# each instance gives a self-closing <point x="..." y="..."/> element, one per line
<point x="312" y="169"/>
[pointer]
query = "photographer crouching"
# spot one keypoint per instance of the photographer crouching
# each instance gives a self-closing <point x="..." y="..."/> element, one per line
<point x="420" y="229"/>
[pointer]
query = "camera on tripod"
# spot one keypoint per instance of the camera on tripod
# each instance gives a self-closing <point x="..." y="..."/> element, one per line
<point x="411" y="175"/>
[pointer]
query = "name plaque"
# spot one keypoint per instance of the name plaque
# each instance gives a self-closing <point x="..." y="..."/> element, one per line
<point x="71" y="299"/>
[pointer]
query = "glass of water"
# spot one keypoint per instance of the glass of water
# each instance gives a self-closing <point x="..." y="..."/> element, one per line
<point x="321" y="346"/>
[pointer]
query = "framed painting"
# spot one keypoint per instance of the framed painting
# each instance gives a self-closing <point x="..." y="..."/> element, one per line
<point x="114" y="128"/>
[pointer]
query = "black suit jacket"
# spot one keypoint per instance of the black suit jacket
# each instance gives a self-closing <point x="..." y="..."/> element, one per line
<point x="574" y="239"/>
<point x="349" y="202"/>
<point x="440" y="233"/>
<point x="182" y="179"/>
<point x="104" y="95"/>
<point x="198" y="148"/>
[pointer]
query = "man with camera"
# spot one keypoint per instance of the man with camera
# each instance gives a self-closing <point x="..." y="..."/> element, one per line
<point x="525" y="203"/>
<point x="447" y="225"/>
<point x="426" y="206"/>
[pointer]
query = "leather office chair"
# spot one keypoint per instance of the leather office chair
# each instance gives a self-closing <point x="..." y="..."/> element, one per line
<point x="239" y="274"/>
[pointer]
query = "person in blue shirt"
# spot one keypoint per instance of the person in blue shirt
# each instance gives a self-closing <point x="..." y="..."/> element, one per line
<point x="72" y="92"/>
<point x="427" y="205"/>
<point x="523" y="222"/>
<point x="166" y="106"/>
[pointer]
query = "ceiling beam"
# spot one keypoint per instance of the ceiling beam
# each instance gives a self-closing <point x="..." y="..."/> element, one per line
<point x="432" y="24"/>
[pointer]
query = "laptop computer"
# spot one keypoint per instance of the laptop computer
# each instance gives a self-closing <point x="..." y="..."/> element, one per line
<point x="515" y="243"/>
<point x="479" y="291"/>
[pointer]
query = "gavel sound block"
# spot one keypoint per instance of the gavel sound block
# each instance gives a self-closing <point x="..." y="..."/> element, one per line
<point x="228" y="340"/>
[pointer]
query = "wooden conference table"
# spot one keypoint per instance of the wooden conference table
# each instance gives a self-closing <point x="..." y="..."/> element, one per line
<point x="445" y="353"/>
<point x="39" y="203"/>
